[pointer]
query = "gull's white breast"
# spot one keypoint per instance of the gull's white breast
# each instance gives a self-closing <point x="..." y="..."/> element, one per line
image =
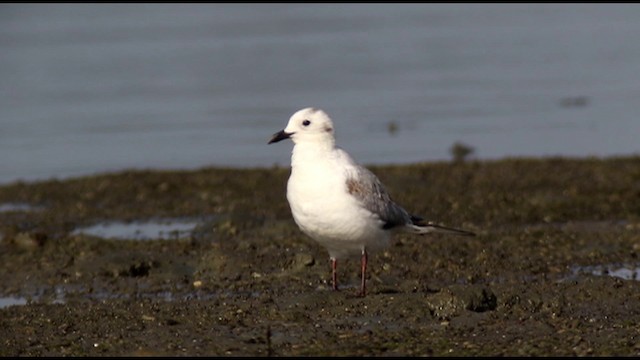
<point x="324" y="210"/>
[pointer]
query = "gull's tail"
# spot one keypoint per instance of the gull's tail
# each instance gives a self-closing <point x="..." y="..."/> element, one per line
<point x="418" y="226"/>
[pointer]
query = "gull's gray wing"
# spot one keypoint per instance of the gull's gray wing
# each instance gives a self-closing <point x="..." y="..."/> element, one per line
<point x="369" y="191"/>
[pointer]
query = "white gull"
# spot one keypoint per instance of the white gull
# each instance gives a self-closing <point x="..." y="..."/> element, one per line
<point x="337" y="202"/>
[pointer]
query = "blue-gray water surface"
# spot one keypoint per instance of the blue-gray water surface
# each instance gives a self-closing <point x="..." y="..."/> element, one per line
<point x="92" y="88"/>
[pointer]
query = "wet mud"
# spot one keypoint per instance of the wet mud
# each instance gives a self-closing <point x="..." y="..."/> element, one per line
<point x="552" y="270"/>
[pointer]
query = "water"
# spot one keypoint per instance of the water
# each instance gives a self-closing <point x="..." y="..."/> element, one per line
<point x="151" y="229"/>
<point x="621" y="271"/>
<point x="63" y="293"/>
<point x="91" y="88"/>
<point x="18" y="206"/>
<point x="6" y="301"/>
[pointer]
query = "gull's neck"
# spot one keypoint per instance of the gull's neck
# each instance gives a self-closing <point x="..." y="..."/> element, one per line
<point x="310" y="152"/>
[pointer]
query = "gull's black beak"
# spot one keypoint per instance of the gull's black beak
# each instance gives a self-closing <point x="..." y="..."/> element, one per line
<point x="279" y="136"/>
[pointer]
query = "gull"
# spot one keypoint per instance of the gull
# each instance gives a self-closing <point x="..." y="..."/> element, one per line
<point x="337" y="202"/>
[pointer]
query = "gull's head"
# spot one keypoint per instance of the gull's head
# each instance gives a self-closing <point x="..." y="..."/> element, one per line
<point x="307" y="125"/>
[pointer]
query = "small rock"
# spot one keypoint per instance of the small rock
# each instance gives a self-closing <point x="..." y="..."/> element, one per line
<point x="30" y="241"/>
<point x="452" y="301"/>
<point x="302" y="260"/>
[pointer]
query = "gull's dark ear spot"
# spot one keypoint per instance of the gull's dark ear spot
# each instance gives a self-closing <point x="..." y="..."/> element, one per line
<point x="328" y="129"/>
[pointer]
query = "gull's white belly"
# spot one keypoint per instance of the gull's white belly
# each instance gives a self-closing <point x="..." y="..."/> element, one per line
<point x="327" y="213"/>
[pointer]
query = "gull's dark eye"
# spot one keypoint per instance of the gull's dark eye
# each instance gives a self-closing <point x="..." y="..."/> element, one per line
<point x="306" y="123"/>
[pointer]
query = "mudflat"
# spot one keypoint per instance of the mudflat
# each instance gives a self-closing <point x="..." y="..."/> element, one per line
<point x="552" y="270"/>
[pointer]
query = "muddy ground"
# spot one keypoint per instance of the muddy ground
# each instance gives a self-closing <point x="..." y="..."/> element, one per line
<point x="248" y="282"/>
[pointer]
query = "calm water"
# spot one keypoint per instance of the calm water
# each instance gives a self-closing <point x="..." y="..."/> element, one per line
<point x="91" y="88"/>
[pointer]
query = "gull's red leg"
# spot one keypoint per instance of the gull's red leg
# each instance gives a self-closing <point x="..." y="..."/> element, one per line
<point x="364" y="273"/>
<point x="334" y="273"/>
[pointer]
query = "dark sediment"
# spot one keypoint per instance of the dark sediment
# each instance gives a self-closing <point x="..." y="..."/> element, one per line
<point x="248" y="282"/>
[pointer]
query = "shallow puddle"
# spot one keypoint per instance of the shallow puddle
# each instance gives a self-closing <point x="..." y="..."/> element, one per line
<point x="6" y="301"/>
<point x="626" y="272"/>
<point x="154" y="229"/>
<point x="18" y="206"/>
<point x="62" y="294"/>
<point x="53" y="296"/>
